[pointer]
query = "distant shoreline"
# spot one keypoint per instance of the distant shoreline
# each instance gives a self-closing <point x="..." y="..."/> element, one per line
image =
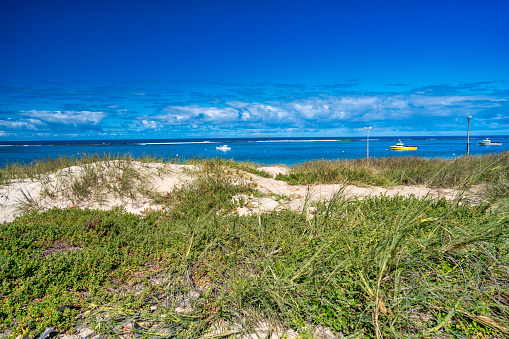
<point x="62" y="142"/>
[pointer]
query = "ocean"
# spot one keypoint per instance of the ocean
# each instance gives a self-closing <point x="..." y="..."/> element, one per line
<point x="267" y="151"/>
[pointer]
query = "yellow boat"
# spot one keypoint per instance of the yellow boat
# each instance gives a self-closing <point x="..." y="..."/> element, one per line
<point x="401" y="147"/>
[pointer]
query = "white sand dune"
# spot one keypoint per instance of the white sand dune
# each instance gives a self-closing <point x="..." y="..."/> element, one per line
<point x="50" y="190"/>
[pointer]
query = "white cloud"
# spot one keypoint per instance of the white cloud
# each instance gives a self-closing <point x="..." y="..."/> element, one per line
<point x="24" y="123"/>
<point x="177" y="115"/>
<point x="67" y="117"/>
<point x="151" y="124"/>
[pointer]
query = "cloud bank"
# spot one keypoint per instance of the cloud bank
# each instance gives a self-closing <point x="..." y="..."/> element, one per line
<point x="67" y="118"/>
<point x="327" y="112"/>
<point x="167" y="111"/>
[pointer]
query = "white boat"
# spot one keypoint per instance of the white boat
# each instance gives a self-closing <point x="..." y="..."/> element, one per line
<point x="488" y="142"/>
<point x="223" y="148"/>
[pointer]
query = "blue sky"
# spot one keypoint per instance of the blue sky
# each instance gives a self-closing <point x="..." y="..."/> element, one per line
<point x="192" y="69"/>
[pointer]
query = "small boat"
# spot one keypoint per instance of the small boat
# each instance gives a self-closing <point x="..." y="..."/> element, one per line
<point x="401" y="147"/>
<point x="223" y="148"/>
<point x="488" y="142"/>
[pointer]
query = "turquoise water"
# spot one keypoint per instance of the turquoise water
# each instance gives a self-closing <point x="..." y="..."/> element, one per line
<point x="288" y="151"/>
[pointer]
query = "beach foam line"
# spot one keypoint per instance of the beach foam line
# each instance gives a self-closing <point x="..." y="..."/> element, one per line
<point x="22" y="145"/>
<point x="318" y="140"/>
<point x="311" y="140"/>
<point x="175" y="143"/>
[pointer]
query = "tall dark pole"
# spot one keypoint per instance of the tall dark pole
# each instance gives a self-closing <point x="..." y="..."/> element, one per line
<point x="468" y="135"/>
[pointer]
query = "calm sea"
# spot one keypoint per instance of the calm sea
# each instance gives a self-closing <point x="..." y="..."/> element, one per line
<point x="288" y="151"/>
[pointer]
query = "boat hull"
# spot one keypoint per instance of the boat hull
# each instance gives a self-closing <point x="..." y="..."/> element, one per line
<point x="490" y="144"/>
<point x="404" y="148"/>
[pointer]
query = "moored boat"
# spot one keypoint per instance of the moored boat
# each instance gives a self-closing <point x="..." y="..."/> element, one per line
<point x="401" y="147"/>
<point x="488" y="142"/>
<point x="223" y="148"/>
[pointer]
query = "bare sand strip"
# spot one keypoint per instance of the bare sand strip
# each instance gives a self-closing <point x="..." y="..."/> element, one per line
<point x="50" y="191"/>
<point x="297" y="197"/>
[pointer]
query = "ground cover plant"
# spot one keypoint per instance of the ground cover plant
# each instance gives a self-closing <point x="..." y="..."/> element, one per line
<point x="387" y="266"/>
<point x="381" y="266"/>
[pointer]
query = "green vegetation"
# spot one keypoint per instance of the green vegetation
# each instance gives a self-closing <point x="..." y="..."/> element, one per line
<point x="381" y="266"/>
<point x="461" y="171"/>
<point x="245" y="166"/>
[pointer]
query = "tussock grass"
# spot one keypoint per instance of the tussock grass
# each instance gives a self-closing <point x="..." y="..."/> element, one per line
<point x="211" y="192"/>
<point x="87" y="180"/>
<point x="461" y="171"/>
<point x="40" y="168"/>
<point x="246" y="166"/>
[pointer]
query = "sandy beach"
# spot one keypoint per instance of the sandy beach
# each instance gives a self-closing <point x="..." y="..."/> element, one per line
<point x="50" y="191"/>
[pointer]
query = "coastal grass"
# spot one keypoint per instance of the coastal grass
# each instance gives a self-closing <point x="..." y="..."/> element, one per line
<point x="211" y="192"/>
<point x="246" y="166"/>
<point x="376" y="267"/>
<point x="87" y="180"/>
<point x="39" y="168"/>
<point x="380" y="266"/>
<point x="490" y="169"/>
